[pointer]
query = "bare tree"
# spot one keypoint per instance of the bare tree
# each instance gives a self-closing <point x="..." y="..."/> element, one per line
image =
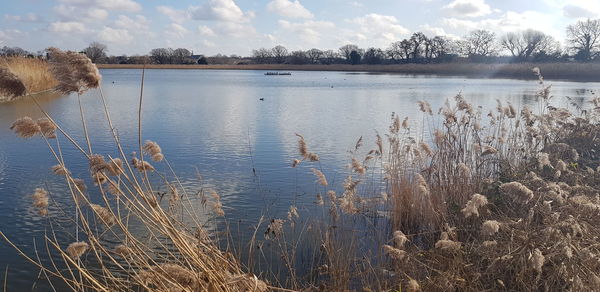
<point x="584" y="37"/>
<point x="13" y="51"/>
<point x="528" y="43"/>
<point x="346" y="51"/>
<point x="96" y="52"/>
<point x="299" y="58"/>
<point x="397" y="51"/>
<point x="314" y="55"/>
<point x="162" y="55"/>
<point x="180" y="55"/>
<point x="479" y="43"/>
<point x="279" y="54"/>
<point x="262" y="55"/>
<point x="373" y="56"/>
<point x="418" y="41"/>
<point x="440" y="46"/>
<point x="329" y="57"/>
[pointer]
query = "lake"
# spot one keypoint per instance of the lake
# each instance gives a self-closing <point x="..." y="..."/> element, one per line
<point x="215" y="122"/>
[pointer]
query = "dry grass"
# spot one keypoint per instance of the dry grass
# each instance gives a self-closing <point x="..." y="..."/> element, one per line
<point x="562" y="71"/>
<point x="500" y="200"/>
<point x="34" y="73"/>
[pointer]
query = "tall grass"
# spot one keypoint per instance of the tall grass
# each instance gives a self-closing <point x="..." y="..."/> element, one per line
<point x="34" y="73"/>
<point x="499" y="200"/>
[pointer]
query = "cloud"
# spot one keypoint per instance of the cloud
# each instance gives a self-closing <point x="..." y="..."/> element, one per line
<point x="575" y="11"/>
<point x="206" y="31"/>
<point x="177" y="30"/>
<point x="120" y="5"/>
<point x="87" y="14"/>
<point x="175" y="15"/>
<point x="379" y="28"/>
<point x="140" y="23"/>
<point x="233" y="29"/>
<point x="467" y="8"/>
<point x="29" y="17"/>
<point x="115" y="35"/>
<point x="67" y="27"/>
<point x="220" y="10"/>
<point x="308" y="31"/>
<point x="289" y="9"/>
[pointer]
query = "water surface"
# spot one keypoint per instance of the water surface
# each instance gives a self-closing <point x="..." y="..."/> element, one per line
<point x="215" y="122"/>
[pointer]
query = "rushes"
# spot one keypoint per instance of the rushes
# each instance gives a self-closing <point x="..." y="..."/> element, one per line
<point x="10" y="84"/>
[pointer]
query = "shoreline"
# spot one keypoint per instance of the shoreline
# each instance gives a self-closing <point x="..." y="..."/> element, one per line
<point x="583" y="72"/>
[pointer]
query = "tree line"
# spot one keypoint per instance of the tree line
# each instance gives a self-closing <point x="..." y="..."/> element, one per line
<point x="582" y="44"/>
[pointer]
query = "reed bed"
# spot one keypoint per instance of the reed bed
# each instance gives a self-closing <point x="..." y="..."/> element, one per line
<point x="506" y="199"/>
<point x="33" y="74"/>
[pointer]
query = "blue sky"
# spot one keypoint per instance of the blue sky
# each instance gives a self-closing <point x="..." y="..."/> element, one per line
<point x="236" y="26"/>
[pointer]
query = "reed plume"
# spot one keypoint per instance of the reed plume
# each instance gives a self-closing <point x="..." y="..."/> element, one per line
<point x="321" y="179"/>
<point x="104" y="214"/>
<point x="60" y="170"/>
<point x="10" y="84"/>
<point x="394" y="253"/>
<point x="47" y="128"/>
<point x="303" y="150"/>
<point x="40" y="201"/>
<point x="26" y="127"/>
<point x="490" y="227"/>
<point x="472" y="207"/>
<point x="74" y="71"/>
<point x="122" y="250"/>
<point x="76" y="249"/>
<point x="115" y="166"/>
<point x="153" y="149"/>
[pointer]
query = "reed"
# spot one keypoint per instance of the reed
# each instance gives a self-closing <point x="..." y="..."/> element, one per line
<point x="33" y="73"/>
<point x="499" y="200"/>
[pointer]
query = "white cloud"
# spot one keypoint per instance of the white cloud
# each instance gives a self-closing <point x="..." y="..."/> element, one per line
<point x="233" y="29"/>
<point x="289" y="9"/>
<point x="467" y="8"/>
<point x="576" y="11"/>
<point x="67" y="27"/>
<point x="381" y="29"/>
<point x="86" y="14"/>
<point x="115" y="35"/>
<point x="140" y="23"/>
<point x="208" y="44"/>
<point x="175" y="15"/>
<point x="206" y="31"/>
<point x="308" y="31"/>
<point x="29" y="17"/>
<point x="177" y="30"/>
<point x="121" y="5"/>
<point x="220" y="10"/>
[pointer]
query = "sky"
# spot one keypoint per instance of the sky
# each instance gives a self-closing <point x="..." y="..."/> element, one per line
<point x="238" y="26"/>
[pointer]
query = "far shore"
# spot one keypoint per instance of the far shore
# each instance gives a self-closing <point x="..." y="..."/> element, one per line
<point x="558" y="71"/>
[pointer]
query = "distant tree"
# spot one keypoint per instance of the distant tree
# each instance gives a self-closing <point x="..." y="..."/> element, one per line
<point x="96" y="52"/>
<point x="139" y="60"/>
<point x="397" y="52"/>
<point x="584" y="37"/>
<point x="262" y="55"/>
<point x="162" y="55"/>
<point x="440" y="47"/>
<point x="355" y="57"/>
<point x="479" y="43"/>
<point x="528" y="43"/>
<point x="279" y="54"/>
<point x="13" y="52"/>
<point x="329" y="57"/>
<point x="419" y="42"/>
<point x="373" y="56"/>
<point x="314" y="55"/>
<point x="202" y="61"/>
<point x="299" y="58"/>
<point x="181" y="56"/>
<point x="347" y="50"/>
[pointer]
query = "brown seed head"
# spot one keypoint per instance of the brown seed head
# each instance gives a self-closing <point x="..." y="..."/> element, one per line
<point x="74" y="71"/>
<point x="26" y="127"/>
<point x="10" y="84"/>
<point x="77" y="249"/>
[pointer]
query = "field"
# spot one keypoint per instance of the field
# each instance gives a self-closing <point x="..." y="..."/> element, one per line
<point x="556" y="71"/>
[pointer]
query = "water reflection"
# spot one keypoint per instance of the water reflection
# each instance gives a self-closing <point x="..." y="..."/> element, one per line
<point x="213" y="121"/>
